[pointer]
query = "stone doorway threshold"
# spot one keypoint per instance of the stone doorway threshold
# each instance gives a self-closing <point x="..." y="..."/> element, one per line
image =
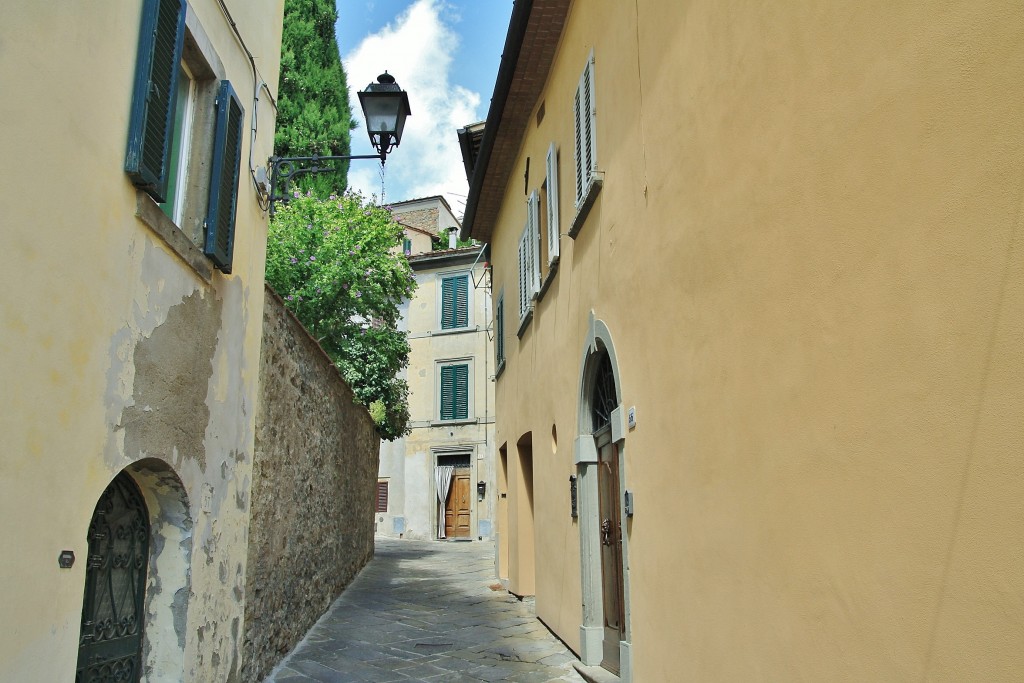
<point x="595" y="674"/>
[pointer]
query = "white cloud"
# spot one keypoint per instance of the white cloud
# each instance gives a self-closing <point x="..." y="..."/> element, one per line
<point x="417" y="49"/>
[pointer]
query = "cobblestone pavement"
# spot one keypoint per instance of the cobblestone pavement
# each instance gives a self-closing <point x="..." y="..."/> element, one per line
<point x="425" y="611"/>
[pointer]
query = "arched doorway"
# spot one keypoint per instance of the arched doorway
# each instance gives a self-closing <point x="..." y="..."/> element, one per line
<point x="110" y="642"/>
<point x="599" y="457"/>
<point x="602" y="405"/>
<point x="148" y="596"/>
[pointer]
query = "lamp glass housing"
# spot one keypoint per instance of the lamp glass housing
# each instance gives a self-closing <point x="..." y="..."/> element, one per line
<point x="385" y="106"/>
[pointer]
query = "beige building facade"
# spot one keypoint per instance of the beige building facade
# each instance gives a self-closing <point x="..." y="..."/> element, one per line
<point x="758" y="286"/>
<point x="134" y="244"/>
<point x="438" y="481"/>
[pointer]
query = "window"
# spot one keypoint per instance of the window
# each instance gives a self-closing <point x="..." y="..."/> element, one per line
<point x="499" y="333"/>
<point x="529" y="258"/>
<point x="407" y="246"/>
<point x="180" y="145"/>
<point x="455" y="301"/>
<point x="185" y="130"/>
<point x="382" y="496"/>
<point x="585" y="111"/>
<point x="454" y="399"/>
<point x="551" y="190"/>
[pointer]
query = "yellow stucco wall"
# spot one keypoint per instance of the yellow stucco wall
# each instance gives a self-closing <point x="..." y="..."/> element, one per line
<point x="808" y="253"/>
<point x="87" y="285"/>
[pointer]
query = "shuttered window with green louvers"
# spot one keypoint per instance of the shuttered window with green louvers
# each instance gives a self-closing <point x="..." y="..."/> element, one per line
<point x="499" y="331"/>
<point x="455" y="392"/>
<point x="227" y="157"/>
<point x="161" y="38"/>
<point x="454" y="302"/>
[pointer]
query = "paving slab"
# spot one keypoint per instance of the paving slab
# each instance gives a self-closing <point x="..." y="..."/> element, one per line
<point x="425" y="611"/>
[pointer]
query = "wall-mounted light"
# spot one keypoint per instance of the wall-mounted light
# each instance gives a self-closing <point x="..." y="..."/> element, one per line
<point x="385" y="108"/>
<point x="572" y="497"/>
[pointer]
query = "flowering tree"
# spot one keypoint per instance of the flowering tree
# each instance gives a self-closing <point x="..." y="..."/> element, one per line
<point x="338" y="266"/>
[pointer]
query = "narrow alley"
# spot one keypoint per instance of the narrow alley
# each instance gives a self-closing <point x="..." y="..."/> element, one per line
<point x="428" y="611"/>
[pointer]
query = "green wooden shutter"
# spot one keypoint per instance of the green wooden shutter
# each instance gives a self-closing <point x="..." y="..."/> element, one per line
<point x="448" y="392"/>
<point x="227" y="157"/>
<point x="461" y="392"/>
<point x="499" y="331"/>
<point x="454" y="302"/>
<point x="455" y="392"/>
<point x="447" y="303"/>
<point x="462" y="301"/>
<point x="151" y="123"/>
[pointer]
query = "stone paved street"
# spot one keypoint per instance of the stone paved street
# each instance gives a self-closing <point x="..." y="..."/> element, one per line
<point x="425" y="611"/>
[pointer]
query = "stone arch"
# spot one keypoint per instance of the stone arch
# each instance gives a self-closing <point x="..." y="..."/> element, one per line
<point x="170" y="559"/>
<point x="599" y="350"/>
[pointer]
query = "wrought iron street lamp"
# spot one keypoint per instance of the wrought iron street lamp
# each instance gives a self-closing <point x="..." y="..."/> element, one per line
<point x="385" y="106"/>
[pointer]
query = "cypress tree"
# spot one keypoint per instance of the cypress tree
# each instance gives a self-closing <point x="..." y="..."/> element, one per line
<point x="313" y="115"/>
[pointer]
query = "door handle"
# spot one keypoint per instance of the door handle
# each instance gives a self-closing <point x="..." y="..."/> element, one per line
<point x="606" y="532"/>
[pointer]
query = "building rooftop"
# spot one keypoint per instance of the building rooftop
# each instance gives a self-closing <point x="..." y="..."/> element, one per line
<point x="533" y="34"/>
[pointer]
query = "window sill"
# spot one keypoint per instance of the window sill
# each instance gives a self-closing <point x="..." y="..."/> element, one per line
<point x="593" y="189"/>
<point x="525" y="322"/>
<point x="149" y="212"/>
<point x="456" y="330"/>
<point x="548" y="279"/>
<point x="448" y="423"/>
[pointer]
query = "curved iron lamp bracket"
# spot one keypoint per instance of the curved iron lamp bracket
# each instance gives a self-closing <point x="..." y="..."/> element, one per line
<point x="284" y="170"/>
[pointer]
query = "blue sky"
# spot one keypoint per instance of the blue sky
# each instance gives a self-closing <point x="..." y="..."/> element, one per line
<point x="445" y="54"/>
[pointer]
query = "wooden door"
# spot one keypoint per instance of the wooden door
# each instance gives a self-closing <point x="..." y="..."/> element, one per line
<point x="456" y="507"/>
<point x="612" y="587"/>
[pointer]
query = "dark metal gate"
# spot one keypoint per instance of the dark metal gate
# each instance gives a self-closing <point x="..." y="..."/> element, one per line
<point x="115" y="585"/>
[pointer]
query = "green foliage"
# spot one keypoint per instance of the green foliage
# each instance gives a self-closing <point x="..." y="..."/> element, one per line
<point x="338" y="265"/>
<point x="313" y="115"/>
<point x="442" y="243"/>
<point x="378" y="411"/>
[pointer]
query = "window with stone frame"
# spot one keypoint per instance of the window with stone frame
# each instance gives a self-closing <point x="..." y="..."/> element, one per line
<point x="185" y="129"/>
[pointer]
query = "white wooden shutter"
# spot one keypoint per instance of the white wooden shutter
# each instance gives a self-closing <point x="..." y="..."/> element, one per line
<point x="552" y="169"/>
<point x="524" y="279"/>
<point x="533" y="227"/>
<point x="585" y="113"/>
<point x="577" y="110"/>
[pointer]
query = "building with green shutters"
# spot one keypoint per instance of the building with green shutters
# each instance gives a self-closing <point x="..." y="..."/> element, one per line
<point x="450" y="448"/>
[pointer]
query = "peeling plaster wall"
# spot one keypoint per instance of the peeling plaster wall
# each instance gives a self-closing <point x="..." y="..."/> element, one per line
<point x="118" y="352"/>
<point x="312" y="493"/>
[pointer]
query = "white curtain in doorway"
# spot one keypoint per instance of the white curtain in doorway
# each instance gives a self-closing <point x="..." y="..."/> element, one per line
<point x="443" y="478"/>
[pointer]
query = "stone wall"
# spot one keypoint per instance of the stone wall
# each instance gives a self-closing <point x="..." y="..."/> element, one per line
<point x="423" y="219"/>
<point x="313" y="490"/>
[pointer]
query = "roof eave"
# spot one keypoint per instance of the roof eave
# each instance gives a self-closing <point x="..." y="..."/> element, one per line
<point x="552" y="14"/>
